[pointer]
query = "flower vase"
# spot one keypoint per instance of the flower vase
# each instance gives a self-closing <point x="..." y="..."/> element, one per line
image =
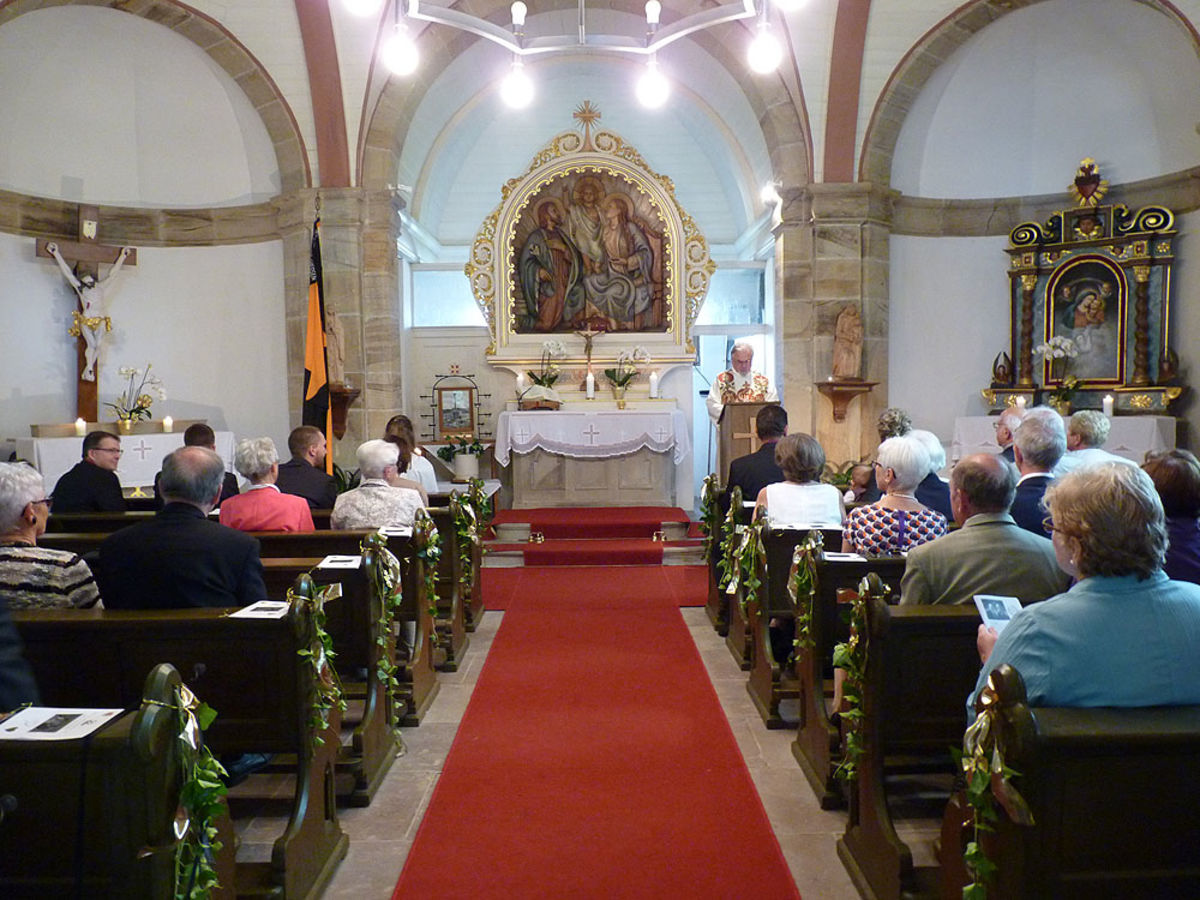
<point x="1058" y="369"/>
<point x="125" y="425"/>
<point x="466" y="466"/>
<point x="618" y="392"/>
<point x="1063" y="407"/>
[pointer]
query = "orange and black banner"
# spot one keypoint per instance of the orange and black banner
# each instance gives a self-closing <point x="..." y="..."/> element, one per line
<point x="316" y="410"/>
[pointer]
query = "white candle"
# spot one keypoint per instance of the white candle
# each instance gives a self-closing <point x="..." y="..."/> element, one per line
<point x="80" y="427"/>
<point x="1020" y="404"/>
<point x="653" y="384"/>
<point x="520" y="382"/>
<point x="168" y="424"/>
<point x="591" y="385"/>
<point x="1108" y="405"/>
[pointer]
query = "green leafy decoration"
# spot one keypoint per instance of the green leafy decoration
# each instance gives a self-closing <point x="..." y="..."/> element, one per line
<point x="201" y="800"/>
<point x="384" y="573"/>
<point x="751" y="560"/>
<point x="428" y="544"/>
<point x="710" y="513"/>
<point x="727" y="563"/>
<point x="851" y="655"/>
<point x="320" y="655"/>
<point x="802" y="587"/>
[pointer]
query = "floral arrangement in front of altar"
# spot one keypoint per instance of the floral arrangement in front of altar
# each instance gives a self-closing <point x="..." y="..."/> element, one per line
<point x="133" y="404"/>
<point x="1058" y="352"/>
<point x="626" y="368"/>
<point x="548" y="373"/>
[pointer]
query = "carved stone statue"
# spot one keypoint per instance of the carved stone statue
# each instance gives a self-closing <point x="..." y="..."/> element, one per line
<point x="91" y="321"/>
<point x="847" y="344"/>
<point x="335" y="348"/>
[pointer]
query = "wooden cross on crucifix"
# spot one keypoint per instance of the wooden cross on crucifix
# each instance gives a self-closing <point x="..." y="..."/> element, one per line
<point x="88" y="323"/>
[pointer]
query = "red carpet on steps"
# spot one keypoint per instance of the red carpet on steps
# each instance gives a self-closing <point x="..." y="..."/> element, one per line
<point x="594" y="761"/>
<point x="594" y="522"/>
<point x="684" y="585"/>
<point x="619" y="552"/>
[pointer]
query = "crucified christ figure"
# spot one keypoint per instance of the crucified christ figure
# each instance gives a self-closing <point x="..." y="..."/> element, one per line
<point x="90" y="320"/>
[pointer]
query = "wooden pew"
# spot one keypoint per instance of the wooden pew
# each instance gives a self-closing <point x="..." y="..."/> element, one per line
<point x="451" y="617"/>
<point x="250" y="671"/>
<point x="94" y="522"/>
<point x="773" y="680"/>
<point x="717" y="604"/>
<point x="93" y="817"/>
<point x="1112" y="792"/>
<point x="817" y="747"/>
<point x="470" y="585"/>
<point x="921" y="666"/>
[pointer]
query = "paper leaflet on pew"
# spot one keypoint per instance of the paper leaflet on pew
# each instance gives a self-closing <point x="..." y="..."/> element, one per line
<point x="340" y="562"/>
<point x="835" y="556"/>
<point x="49" y="723"/>
<point x="996" y="610"/>
<point x="277" y="609"/>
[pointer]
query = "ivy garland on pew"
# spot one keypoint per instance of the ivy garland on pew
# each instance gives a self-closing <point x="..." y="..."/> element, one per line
<point x="320" y="654"/>
<point x="710" y="513"/>
<point x="851" y="656"/>
<point x="429" y="549"/>
<point x="471" y="512"/>
<point x="802" y="588"/>
<point x="988" y="785"/>
<point x="385" y="575"/>
<point x="200" y="797"/>
<point x="750" y="559"/>
<point x="727" y="563"/>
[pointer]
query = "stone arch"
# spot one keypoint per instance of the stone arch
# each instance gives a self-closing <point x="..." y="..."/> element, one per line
<point x="919" y="64"/>
<point x="228" y="53"/>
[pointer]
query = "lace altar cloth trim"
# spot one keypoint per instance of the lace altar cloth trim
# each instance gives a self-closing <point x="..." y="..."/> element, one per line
<point x="588" y="434"/>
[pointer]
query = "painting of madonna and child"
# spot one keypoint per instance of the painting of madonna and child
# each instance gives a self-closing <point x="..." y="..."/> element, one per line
<point x="1088" y="306"/>
<point x="588" y="253"/>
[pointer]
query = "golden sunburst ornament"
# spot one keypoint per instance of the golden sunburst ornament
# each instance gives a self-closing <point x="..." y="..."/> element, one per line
<point x="1088" y="188"/>
<point x="587" y="115"/>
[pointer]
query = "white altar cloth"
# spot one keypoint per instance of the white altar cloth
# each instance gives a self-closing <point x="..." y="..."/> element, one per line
<point x="599" y="434"/>
<point x="140" y="462"/>
<point x="1130" y="436"/>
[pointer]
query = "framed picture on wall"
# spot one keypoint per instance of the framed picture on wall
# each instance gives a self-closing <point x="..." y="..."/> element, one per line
<point x="455" y="411"/>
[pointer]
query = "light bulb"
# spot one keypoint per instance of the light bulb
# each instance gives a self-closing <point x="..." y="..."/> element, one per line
<point x="653" y="88"/>
<point x="516" y="90"/>
<point x="518" y="13"/>
<point x="362" y="7"/>
<point x="765" y="54"/>
<point x="653" y="12"/>
<point x="399" y="53"/>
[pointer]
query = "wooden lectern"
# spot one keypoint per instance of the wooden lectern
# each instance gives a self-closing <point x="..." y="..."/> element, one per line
<point x="736" y="434"/>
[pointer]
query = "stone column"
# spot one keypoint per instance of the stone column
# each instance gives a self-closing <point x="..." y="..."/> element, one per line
<point x="832" y="250"/>
<point x="358" y="255"/>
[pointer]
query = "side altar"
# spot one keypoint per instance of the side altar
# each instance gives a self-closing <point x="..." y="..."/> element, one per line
<point x="590" y="453"/>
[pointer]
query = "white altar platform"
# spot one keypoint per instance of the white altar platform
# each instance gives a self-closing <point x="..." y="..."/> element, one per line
<point x="593" y="454"/>
<point x="1130" y="437"/>
<point x="140" y="462"/>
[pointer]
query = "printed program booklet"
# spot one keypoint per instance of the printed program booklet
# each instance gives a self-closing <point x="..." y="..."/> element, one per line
<point x="997" y="611"/>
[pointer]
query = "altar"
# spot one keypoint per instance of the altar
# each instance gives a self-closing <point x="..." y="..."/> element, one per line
<point x="595" y="457"/>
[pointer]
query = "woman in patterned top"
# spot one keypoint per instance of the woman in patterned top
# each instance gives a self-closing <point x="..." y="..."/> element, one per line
<point x="33" y="577"/>
<point x="897" y="521"/>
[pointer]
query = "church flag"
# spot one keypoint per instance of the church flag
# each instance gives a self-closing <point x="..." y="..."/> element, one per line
<point x="316" y="411"/>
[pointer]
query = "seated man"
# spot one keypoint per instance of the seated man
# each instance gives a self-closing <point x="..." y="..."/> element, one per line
<point x="304" y="474"/>
<point x="92" y="485"/>
<point x="375" y="503"/>
<point x="1039" y="444"/>
<point x="990" y="553"/>
<point x="33" y="577"/>
<point x="263" y="507"/>
<point x="1086" y="433"/>
<point x="756" y="470"/>
<point x="179" y="558"/>
<point x="1006" y="426"/>
<point x="200" y="435"/>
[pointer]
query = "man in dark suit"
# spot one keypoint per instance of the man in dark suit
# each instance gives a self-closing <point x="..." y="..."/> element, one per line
<point x="1006" y="426"/>
<point x="304" y="474"/>
<point x="201" y="435"/>
<point x="180" y="558"/>
<point x="1039" y="443"/>
<point x="92" y="485"/>
<point x="756" y="470"/>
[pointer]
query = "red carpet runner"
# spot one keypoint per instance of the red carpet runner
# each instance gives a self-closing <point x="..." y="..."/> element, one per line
<point x="682" y="585"/>
<point x="594" y="522"/>
<point x="594" y="761"/>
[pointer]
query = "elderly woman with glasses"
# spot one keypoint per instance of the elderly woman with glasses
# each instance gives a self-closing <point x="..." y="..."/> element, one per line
<point x="1125" y="634"/>
<point x="897" y="521"/>
<point x="33" y="577"/>
<point x="262" y="507"/>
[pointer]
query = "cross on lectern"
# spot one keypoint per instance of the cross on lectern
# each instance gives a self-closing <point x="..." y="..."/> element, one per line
<point x="87" y="323"/>
<point x="755" y="443"/>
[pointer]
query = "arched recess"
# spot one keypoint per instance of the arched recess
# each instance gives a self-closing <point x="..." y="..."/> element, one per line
<point x="919" y="64"/>
<point x="228" y="53"/>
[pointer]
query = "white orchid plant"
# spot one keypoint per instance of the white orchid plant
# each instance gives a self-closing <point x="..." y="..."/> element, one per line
<point x="626" y="368"/>
<point x="548" y="373"/>
<point x="134" y="402"/>
<point x="1058" y="347"/>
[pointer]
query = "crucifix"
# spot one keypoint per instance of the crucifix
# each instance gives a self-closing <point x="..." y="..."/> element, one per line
<point x="88" y="323"/>
<point x="588" y="336"/>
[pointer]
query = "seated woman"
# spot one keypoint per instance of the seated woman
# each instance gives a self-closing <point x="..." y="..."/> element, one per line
<point x="801" y="499"/>
<point x="375" y="503"/>
<point x="262" y="506"/>
<point x="33" y="577"/>
<point x="1124" y="634"/>
<point x="1176" y="475"/>
<point x="403" y="477"/>
<point x="897" y="521"/>
<point x="420" y="469"/>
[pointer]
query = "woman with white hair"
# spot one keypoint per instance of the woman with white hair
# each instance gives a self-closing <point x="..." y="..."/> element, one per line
<point x="33" y="577"/>
<point x="932" y="491"/>
<point x="375" y="503"/>
<point x="262" y="506"/>
<point x="898" y="520"/>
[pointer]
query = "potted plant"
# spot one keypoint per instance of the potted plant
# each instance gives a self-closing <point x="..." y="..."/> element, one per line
<point x="625" y="371"/>
<point x="1058" y="352"/>
<point x="133" y="404"/>
<point x="463" y="454"/>
<point x="541" y="394"/>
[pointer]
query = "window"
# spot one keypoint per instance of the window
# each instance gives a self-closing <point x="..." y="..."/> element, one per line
<point x="736" y="296"/>
<point x="443" y="297"/>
